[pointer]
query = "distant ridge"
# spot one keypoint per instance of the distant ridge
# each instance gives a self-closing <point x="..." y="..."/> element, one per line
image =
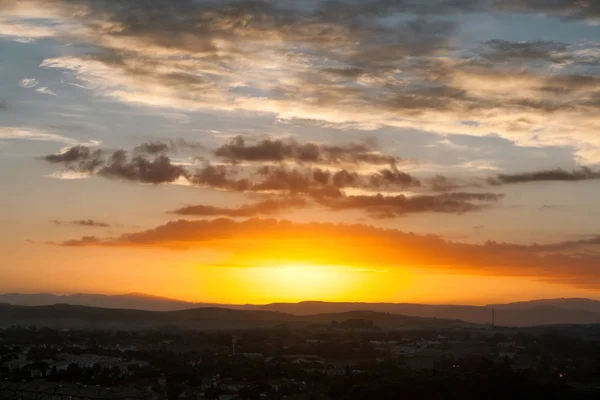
<point x="526" y="313"/>
<point x="208" y="318"/>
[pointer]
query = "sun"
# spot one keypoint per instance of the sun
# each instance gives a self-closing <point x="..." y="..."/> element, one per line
<point x="299" y="281"/>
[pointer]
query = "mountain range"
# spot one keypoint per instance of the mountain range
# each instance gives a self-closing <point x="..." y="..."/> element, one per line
<point x="520" y="314"/>
<point x="61" y="316"/>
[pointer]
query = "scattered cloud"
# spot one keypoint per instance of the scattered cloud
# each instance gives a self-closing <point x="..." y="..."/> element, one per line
<point x="90" y="223"/>
<point x="14" y="133"/>
<point x="265" y="207"/>
<point x="45" y="90"/>
<point x="278" y="150"/>
<point x="148" y="163"/>
<point x="379" y="206"/>
<point x="340" y="63"/>
<point x="355" y="246"/>
<point x="578" y="10"/>
<point x="28" y="83"/>
<point x="558" y="174"/>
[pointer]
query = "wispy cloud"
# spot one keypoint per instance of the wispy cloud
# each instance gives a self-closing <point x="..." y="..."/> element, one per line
<point x="89" y="223"/>
<point x="28" y="83"/>
<point x="18" y="133"/>
<point x="45" y="90"/>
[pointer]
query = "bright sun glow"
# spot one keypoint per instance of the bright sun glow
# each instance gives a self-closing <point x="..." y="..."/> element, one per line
<point x="295" y="282"/>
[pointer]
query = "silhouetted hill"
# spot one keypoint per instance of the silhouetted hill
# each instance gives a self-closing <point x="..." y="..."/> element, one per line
<point x="571" y="304"/>
<point x="529" y="313"/>
<point x="133" y="301"/>
<point x="67" y="316"/>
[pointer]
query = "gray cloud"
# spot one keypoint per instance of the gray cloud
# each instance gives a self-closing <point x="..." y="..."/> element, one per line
<point x="585" y="9"/>
<point x="84" y="222"/>
<point x="441" y="183"/>
<point x="503" y="50"/>
<point x="149" y="164"/>
<point x="558" y="174"/>
<point x="392" y="177"/>
<point x="153" y="148"/>
<point x="220" y="177"/>
<point x="265" y="207"/>
<point x="78" y="158"/>
<point x="278" y="150"/>
<point x="118" y="165"/>
<point x="380" y="206"/>
<point x="141" y="169"/>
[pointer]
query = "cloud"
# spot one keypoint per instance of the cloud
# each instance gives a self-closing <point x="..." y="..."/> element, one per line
<point x="278" y="150"/>
<point x="151" y="158"/>
<point x="28" y="83"/>
<point x="328" y="188"/>
<point x="90" y="223"/>
<point x="569" y="9"/>
<point x="266" y="207"/>
<point x="442" y="183"/>
<point x="78" y="159"/>
<point x="140" y="169"/>
<point x="392" y="177"/>
<point x="508" y="51"/>
<point x="153" y="148"/>
<point x="380" y="206"/>
<point x="45" y="90"/>
<point x="14" y="133"/>
<point x="342" y="62"/>
<point x="253" y="241"/>
<point x="558" y="174"/>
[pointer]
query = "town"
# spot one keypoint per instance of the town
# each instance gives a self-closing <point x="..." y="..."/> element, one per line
<point x="346" y="360"/>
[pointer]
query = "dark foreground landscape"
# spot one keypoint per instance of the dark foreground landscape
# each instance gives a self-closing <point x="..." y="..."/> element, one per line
<point x="79" y="352"/>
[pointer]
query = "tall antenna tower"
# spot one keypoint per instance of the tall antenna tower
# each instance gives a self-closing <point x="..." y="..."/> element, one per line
<point x="234" y="340"/>
<point x="493" y="317"/>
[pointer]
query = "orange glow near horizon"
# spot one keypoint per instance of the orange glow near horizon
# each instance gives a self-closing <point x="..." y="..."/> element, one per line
<point x="261" y="266"/>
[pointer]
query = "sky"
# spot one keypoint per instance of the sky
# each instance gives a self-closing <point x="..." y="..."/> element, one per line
<point x="431" y="151"/>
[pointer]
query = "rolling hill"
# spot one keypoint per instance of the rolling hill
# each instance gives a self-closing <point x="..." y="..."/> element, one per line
<point x="210" y="318"/>
<point x="529" y="313"/>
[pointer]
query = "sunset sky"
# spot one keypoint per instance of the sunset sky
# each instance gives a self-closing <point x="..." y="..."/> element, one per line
<point x="434" y="151"/>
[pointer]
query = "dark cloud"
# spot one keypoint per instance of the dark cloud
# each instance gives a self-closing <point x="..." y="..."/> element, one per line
<point x="140" y="169"/>
<point x="3" y="105"/>
<point x="278" y="150"/>
<point x="79" y="158"/>
<point x="84" y="241"/>
<point x="343" y="178"/>
<point x="294" y="181"/>
<point x="327" y="188"/>
<point x="359" y="245"/>
<point x="558" y="174"/>
<point x="547" y="51"/>
<point x="442" y="183"/>
<point x="571" y="9"/>
<point x="220" y="177"/>
<point x="266" y="207"/>
<point x="153" y="148"/>
<point x="392" y="177"/>
<point x="380" y="206"/>
<point x="118" y="165"/>
<point x="84" y="222"/>
<point x="164" y="146"/>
